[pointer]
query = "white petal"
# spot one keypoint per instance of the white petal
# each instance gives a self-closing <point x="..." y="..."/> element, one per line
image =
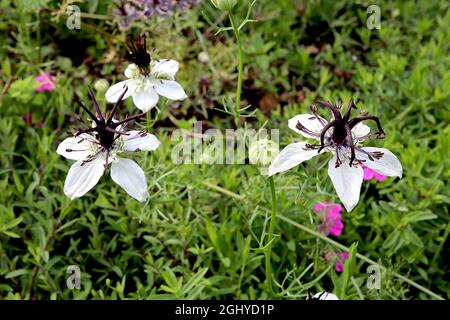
<point x="145" y="99"/>
<point x="138" y="140"/>
<point x="310" y="122"/>
<point x="169" y="89"/>
<point x="346" y="181"/>
<point x="114" y="92"/>
<point x="291" y="156"/>
<point x="360" y="130"/>
<point x="388" y="165"/>
<point x="80" y="148"/>
<point x="325" y="296"/>
<point x="82" y="177"/>
<point x="165" y="68"/>
<point x="127" y="174"/>
<point x="132" y="71"/>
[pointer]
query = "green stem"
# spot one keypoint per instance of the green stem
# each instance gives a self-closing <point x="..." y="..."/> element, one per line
<point x="270" y="236"/>
<point x="38" y="36"/>
<point x="240" y="70"/>
<point x="360" y="256"/>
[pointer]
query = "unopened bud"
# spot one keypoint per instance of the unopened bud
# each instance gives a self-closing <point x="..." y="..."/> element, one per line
<point x="203" y="57"/>
<point x="101" y="85"/>
<point x="225" y="5"/>
<point x="262" y="152"/>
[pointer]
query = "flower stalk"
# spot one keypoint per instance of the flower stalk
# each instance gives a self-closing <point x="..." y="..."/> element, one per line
<point x="240" y="69"/>
<point x="268" y="252"/>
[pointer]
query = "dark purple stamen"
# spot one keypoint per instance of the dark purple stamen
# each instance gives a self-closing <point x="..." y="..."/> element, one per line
<point x="106" y="129"/>
<point x="137" y="52"/>
<point x="301" y="127"/>
<point x="313" y="109"/>
<point x="371" y="155"/>
<point x="342" y="128"/>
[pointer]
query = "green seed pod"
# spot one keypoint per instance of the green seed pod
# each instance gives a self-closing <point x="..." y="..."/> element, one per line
<point x="101" y="85"/>
<point x="262" y="152"/>
<point x="224" y="5"/>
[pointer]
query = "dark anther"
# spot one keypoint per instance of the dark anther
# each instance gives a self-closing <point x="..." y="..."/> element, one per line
<point x="301" y="127"/>
<point x="314" y="111"/>
<point x="87" y="160"/>
<point x="377" y="155"/>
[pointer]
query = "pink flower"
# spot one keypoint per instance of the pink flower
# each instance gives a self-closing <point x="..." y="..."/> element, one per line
<point x="370" y="174"/>
<point x="331" y="218"/>
<point x="47" y="82"/>
<point x="340" y="258"/>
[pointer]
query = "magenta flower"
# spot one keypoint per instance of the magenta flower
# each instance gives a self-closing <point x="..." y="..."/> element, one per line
<point x="339" y="258"/>
<point x="47" y="82"/>
<point x="370" y="174"/>
<point x="331" y="218"/>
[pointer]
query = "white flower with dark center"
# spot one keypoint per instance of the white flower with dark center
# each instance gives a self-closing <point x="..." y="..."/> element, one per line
<point x="147" y="79"/>
<point x="97" y="147"/>
<point x="343" y="137"/>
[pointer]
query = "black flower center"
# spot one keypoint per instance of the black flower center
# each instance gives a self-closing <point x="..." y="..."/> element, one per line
<point x="137" y="52"/>
<point x="105" y="130"/>
<point x="342" y="128"/>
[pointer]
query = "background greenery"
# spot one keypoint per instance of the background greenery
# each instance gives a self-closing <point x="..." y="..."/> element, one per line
<point x="201" y="233"/>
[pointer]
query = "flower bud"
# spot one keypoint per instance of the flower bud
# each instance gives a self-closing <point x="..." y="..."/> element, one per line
<point x="262" y="152"/>
<point x="101" y="85"/>
<point x="224" y="5"/>
<point x="203" y="57"/>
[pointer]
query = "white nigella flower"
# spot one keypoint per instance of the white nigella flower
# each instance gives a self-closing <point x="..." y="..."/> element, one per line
<point x="341" y="136"/>
<point x="94" y="152"/>
<point x="325" y="296"/>
<point x="147" y="79"/>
